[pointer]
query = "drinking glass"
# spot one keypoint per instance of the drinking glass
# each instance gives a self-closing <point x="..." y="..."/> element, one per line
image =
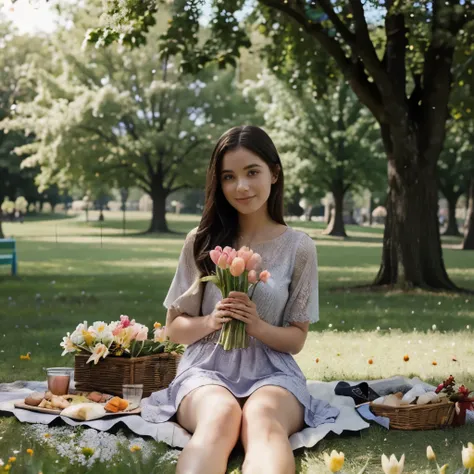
<point x="132" y="392"/>
<point x="59" y="379"/>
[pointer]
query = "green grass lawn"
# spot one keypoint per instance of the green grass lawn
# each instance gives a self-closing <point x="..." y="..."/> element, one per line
<point x="71" y="271"/>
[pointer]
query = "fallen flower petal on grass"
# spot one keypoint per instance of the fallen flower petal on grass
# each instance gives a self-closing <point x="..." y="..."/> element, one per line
<point x="334" y="461"/>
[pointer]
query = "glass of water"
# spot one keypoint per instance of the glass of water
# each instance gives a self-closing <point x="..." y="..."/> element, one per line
<point x="132" y="392"/>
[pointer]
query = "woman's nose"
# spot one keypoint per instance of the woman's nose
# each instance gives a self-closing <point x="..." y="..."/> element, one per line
<point x="242" y="185"/>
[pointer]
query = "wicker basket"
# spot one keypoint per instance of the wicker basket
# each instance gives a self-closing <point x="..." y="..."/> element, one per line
<point x="155" y="372"/>
<point x="417" y="417"/>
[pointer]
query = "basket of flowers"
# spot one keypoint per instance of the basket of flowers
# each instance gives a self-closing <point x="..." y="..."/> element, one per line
<point x="107" y="356"/>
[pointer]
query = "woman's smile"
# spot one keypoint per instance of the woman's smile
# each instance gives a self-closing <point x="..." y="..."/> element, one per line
<point x="245" y="200"/>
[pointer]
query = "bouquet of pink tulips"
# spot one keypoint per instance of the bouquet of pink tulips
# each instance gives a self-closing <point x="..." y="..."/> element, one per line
<point x="236" y="270"/>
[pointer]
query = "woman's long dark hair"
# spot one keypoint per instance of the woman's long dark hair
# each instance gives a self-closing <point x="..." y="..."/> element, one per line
<point x="219" y="222"/>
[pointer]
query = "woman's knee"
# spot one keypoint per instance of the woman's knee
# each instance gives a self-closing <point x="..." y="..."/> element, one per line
<point x="262" y="418"/>
<point x="210" y="407"/>
<point x="221" y="419"/>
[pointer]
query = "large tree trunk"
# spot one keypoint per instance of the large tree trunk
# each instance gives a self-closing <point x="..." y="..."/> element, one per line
<point x="468" y="243"/>
<point x="452" y="227"/>
<point x="336" y="224"/>
<point x="2" y="236"/>
<point x="158" y="217"/>
<point x="412" y="254"/>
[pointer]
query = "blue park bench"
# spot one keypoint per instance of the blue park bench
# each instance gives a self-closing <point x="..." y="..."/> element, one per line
<point x="8" y="253"/>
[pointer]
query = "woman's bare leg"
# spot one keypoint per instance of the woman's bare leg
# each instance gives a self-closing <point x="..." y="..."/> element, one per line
<point x="270" y="416"/>
<point x="213" y="416"/>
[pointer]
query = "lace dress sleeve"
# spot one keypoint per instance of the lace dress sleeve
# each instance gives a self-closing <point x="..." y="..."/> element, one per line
<point x="184" y="294"/>
<point x="303" y="300"/>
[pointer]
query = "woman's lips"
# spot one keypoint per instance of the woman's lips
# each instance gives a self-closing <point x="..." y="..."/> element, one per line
<point x="247" y="199"/>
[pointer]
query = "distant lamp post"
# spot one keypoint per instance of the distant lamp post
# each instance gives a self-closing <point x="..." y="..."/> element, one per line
<point x="86" y="202"/>
<point x="123" y="207"/>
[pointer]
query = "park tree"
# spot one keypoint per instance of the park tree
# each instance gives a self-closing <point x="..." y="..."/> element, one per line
<point x="331" y="142"/>
<point x="396" y="56"/>
<point x="455" y="167"/>
<point x="17" y="55"/>
<point x="131" y="117"/>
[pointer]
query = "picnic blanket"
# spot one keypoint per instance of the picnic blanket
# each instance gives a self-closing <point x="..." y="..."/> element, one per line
<point x="174" y="435"/>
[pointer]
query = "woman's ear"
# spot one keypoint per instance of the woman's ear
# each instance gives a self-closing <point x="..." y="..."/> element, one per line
<point x="276" y="174"/>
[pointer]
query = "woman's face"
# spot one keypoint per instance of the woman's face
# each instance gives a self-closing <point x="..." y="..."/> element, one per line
<point x="246" y="180"/>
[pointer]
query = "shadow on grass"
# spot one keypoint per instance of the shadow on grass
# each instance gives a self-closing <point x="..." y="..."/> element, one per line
<point x="49" y="217"/>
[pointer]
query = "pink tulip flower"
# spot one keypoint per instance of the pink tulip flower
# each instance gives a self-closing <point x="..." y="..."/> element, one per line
<point x="237" y="267"/>
<point x="254" y="262"/>
<point x="222" y="262"/>
<point x="142" y="334"/>
<point x="252" y="276"/>
<point x="218" y="248"/>
<point x="227" y="250"/>
<point x="265" y="276"/>
<point x="244" y="250"/>
<point x="232" y="255"/>
<point x="215" y="254"/>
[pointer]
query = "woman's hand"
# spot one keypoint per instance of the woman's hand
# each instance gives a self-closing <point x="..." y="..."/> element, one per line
<point x="217" y="318"/>
<point x="239" y="306"/>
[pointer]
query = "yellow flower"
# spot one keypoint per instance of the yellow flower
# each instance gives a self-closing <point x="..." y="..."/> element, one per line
<point x="430" y="454"/>
<point x="11" y="459"/>
<point x="30" y="451"/>
<point x="335" y="461"/>
<point x="468" y="456"/>
<point x="135" y="448"/>
<point x="392" y="466"/>
<point x="442" y="469"/>
<point x="47" y="435"/>
<point x="157" y="325"/>
<point x="88" y="337"/>
<point x="7" y="467"/>
<point x="87" y="452"/>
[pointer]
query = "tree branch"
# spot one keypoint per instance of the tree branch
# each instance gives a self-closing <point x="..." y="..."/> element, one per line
<point x="346" y="34"/>
<point x="395" y="51"/>
<point x="437" y="79"/>
<point x="177" y="188"/>
<point x="182" y="156"/>
<point x="139" y="177"/>
<point x="354" y="72"/>
<point x="109" y="139"/>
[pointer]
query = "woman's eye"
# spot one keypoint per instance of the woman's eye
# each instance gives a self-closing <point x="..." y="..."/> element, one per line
<point x="227" y="177"/>
<point x="253" y="172"/>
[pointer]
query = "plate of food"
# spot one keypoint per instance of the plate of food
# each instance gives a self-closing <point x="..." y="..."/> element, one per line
<point x="81" y="406"/>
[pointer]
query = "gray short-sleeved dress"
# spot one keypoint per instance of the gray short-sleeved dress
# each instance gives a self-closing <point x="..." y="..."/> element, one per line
<point x="290" y="295"/>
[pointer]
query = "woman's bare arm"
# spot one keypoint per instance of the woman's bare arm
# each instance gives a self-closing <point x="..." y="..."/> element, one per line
<point x="184" y="329"/>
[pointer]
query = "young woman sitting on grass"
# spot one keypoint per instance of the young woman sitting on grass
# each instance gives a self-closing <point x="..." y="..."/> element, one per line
<point x="258" y="394"/>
